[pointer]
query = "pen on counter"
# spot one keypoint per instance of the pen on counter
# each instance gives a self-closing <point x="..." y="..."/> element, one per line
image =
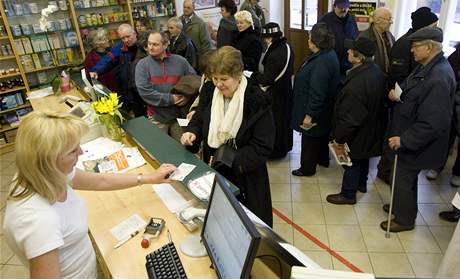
<point x="123" y="241"/>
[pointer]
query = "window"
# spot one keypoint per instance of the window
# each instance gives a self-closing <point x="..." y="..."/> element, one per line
<point x="310" y="14"/>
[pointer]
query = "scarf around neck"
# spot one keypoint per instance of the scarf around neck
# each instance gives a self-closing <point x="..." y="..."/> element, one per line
<point x="224" y="125"/>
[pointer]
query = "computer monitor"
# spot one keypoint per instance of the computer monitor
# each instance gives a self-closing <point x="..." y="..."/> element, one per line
<point x="229" y="236"/>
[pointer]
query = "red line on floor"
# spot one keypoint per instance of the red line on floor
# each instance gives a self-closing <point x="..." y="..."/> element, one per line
<point x="316" y="241"/>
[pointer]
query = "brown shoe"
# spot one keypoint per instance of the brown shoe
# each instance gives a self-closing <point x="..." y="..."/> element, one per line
<point x="340" y="199"/>
<point x="395" y="227"/>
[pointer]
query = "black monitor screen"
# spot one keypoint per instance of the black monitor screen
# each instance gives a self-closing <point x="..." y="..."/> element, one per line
<point x="228" y="234"/>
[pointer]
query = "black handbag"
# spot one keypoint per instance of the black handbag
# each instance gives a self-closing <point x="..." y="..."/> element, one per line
<point x="224" y="155"/>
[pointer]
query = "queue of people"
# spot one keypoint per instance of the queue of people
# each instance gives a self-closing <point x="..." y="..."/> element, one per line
<point x="245" y="114"/>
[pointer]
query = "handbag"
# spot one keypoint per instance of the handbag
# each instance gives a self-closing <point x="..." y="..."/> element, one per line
<point x="224" y="155"/>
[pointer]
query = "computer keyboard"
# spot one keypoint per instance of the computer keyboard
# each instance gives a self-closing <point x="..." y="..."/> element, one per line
<point x="165" y="263"/>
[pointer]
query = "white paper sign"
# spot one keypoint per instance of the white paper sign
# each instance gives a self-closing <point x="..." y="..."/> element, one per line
<point x="182" y="171"/>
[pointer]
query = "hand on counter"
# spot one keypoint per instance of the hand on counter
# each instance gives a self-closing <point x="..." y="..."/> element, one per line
<point x="93" y="75"/>
<point x="160" y="175"/>
<point x="187" y="138"/>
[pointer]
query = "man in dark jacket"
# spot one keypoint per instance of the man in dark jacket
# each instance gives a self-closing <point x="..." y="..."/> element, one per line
<point x="180" y="43"/>
<point x="343" y="25"/>
<point x="359" y="117"/>
<point x="120" y="57"/>
<point x="421" y="123"/>
<point x="274" y="77"/>
<point x="401" y="65"/>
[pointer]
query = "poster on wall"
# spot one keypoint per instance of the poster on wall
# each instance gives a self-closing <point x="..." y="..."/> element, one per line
<point x="362" y="10"/>
<point x="204" y="4"/>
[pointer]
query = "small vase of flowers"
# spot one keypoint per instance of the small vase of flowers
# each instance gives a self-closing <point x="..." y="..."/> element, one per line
<point x="108" y="114"/>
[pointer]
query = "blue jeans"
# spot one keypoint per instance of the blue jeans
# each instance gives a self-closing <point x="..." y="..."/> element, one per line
<point x="355" y="177"/>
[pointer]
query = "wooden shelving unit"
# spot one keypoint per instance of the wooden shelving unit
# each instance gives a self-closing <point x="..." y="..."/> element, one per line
<point x="12" y="90"/>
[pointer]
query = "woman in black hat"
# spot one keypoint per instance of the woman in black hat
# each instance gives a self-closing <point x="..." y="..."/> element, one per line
<point x="315" y="87"/>
<point x="274" y="76"/>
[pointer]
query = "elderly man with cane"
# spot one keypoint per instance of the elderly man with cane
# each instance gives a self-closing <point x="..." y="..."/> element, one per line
<point x="421" y="123"/>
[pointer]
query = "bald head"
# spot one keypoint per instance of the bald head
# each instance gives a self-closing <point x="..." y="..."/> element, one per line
<point x="188" y="7"/>
<point x="382" y="19"/>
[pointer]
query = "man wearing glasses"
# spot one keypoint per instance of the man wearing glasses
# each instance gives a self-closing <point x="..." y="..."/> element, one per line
<point x="419" y="130"/>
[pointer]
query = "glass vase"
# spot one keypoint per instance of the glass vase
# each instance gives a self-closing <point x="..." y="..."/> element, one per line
<point x="113" y="131"/>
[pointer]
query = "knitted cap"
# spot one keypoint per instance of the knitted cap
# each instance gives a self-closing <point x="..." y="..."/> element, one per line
<point x="423" y="17"/>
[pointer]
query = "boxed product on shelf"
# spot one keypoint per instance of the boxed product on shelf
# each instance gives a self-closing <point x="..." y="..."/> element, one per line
<point x="27" y="45"/>
<point x="42" y="77"/>
<point x="56" y="40"/>
<point x="47" y="59"/>
<point x="70" y="39"/>
<point x="27" y="62"/>
<point x="19" y="47"/>
<point x="39" y="43"/>
<point x="19" y="99"/>
<point x="22" y="112"/>
<point x="9" y="102"/>
<point x="12" y="119"/>
<point x="36" y="60"/>
<point x="62" y="56"/>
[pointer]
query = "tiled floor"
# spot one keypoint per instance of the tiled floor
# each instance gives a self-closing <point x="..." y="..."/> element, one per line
<point x="351" y="231"/>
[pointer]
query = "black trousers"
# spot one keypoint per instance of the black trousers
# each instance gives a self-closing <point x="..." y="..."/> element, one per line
<point x="314" y="151"/>
<point x="405" y="195"/>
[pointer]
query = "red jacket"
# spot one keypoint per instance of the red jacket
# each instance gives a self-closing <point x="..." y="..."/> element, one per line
<point x="108" y="79"/>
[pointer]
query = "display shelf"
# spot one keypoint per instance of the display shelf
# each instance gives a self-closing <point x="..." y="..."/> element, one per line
<point x="103" y="24"/>
<point x="26" y="105"/>
<point x="12" y="90"/>
<point x="7" y="57"/>
<point x="47" y="68"/>
<point x="7" y="127"/>
<point x="54" y="50"/>
<point x="10" y="75"/>
<point x="5" y="148"/>
<point x="3" y="37"/>
<point x="97" y="7"/>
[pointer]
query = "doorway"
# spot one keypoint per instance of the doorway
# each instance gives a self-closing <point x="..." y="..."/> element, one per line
<point x="300" y="16"/>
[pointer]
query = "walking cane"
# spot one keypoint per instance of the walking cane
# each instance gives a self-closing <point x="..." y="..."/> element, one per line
<point x="393" y="178"/>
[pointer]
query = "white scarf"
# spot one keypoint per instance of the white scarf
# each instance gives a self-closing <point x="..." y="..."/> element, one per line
<point x="225" y="125"/>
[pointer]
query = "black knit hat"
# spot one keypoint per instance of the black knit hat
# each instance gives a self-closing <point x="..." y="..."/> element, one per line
<point x="362" y="44"/>
<point x="422" y="17"/>
<point x="271" y="29"/>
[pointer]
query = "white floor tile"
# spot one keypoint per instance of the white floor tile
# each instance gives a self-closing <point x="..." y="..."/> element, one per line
<point x="424" y="265"/>
<point x="442" y="235"/>
<point x="419" y="240"/>
<point x="285" y="231"/>
<point x="322" y="258"/>
<point x="346" y="238"/>
<point x="339" y="214"/>
<point x="370" y="214"/>
<point x="308" y="213"/>
<point x="430" y="214"/>
<point x="391" y="265"/>
<point x="285" y="208"/>
<point x="280" y="192"/>
<point x="305" y="192"/>
<point x="375" y="240"/>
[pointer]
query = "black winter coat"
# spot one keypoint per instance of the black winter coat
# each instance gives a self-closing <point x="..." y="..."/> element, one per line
<point x="227" y="32"/>
<point x="280" y="91"/>
<point x="250" y="45"/>
<point x="343" y="28"/>
<point x="359" y="113"/>
<point x="423" y="118"/>
<point x="184" y="47"/>
<point x="401" y="60"/>
<point x="254" y="142"/>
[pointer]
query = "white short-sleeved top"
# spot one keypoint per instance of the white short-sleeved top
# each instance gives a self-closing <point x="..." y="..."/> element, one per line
<point x="33" y="227"/>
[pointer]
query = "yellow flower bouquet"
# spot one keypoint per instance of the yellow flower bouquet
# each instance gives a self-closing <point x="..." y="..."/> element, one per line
<point x="107" y="112"/>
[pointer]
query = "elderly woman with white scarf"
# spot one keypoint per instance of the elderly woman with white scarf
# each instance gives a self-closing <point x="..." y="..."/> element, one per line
<point x="235" y="123"/>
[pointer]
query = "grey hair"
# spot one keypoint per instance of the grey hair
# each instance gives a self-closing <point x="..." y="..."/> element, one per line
<point x="97" y="36"/>
<point x="126" y="26"/>
<point x="377" y="14"/>
<point x="177" y="22"/>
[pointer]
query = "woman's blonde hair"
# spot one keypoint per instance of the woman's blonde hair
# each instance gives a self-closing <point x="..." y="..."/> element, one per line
<point x="42" y="137"/>
<point x="226" y="60"/>
<point x="244" y="16"/>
